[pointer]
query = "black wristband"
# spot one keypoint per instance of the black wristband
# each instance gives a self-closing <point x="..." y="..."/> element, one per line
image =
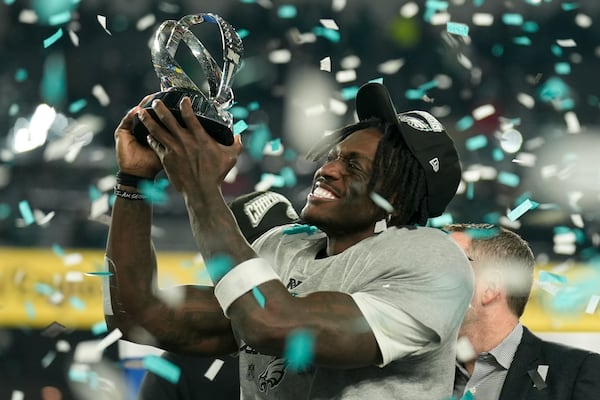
<point x="129" y="195"/>
<point x="126" y="179"/>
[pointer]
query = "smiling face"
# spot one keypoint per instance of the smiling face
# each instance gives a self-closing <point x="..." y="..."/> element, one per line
<point x="339" y="203"/>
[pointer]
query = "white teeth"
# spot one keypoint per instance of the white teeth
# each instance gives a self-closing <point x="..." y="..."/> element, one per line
<point x="323" y="193"/>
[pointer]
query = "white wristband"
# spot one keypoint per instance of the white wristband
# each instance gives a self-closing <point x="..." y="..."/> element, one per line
<point x="242" y="279"/>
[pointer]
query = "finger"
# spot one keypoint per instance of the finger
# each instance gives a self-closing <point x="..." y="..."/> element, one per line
<point x="156" y="129"/>
<point x="155" y="145"/>
<point x="190" y="118"/>
<point x="237" y="145"/>
<point x="166" y="116"/>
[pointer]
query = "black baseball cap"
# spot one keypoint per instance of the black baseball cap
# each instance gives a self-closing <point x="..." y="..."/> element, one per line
<point x="424" y="136"/>
<point x="258" y="212"/>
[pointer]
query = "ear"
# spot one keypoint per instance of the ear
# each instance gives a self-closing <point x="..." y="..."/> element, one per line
<point x="492" y="286"/>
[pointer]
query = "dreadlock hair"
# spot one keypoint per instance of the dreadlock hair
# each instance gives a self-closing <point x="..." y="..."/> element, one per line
<point x="397" y="175"/>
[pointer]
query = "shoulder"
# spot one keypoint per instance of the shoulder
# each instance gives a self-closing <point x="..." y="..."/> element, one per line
<point x="562" y="353"/>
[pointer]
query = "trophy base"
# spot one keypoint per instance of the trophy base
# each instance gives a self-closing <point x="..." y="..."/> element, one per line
<point x="219" y="131"/>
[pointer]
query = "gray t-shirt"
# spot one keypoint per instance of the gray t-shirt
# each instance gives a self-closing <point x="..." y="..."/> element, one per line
<point x="420" y="271"/>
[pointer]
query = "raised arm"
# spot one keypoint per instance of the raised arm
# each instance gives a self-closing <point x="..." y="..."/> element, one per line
<point x="134" y="306"/>
<point x="196" y="165"/>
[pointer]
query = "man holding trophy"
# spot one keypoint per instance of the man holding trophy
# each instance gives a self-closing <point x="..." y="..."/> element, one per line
<point x="368" y="304"/>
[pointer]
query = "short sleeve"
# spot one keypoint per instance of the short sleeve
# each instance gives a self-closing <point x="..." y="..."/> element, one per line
<point x="397" y="333"/>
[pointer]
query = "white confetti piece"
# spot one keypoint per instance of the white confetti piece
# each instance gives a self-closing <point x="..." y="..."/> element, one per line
<point x="338" y="5"/>
<point x="109" y="339"/>
<point x="145" y="22"/>
<point x="464" y="350"/>
<point x="577" y="220"/>
<point x="74" y="38"/>
<point x="483" y="19"/>
<point x="583" y="21"/>
<point x="99" y="207"/>
<point x="543" y="371"/>
<point x="381" y="202"/>
<point x="74" y="276"/>
<point x="72" y="259"/>
<point x="526" y="100"/>
<point x="214" y="369"/>
<point x="409" y="10"/>
<point x="280" y="56"/>
<point x="315" y="110"/>
<point x="63" y="346"/>
<point x="325" y="64"/>
<point x="28" y="17"/>
<point x="337" y="107"/>
<point x="102" y="21"/>
<point x="87" y="352"/>
<point x="100" y="94"/>
<point x="345" y="76"/>
<point x="17" y="395"/>
<point x="592" y="304"/>
<point x="390" y="67"/>
<point x="329" y="24"/>
<point x="572" y="122"/>
<point x="566" y="43"/>
<point x="525" y="159"/>
<point x="231" y="175"/>
<point x="464" y="61"/>
<point x="41" y="218"/>
<point x="564" y="248"/>
<point x="483" y="111"/>
<point x="350" y="62"/>
<point x="440" y="18"/>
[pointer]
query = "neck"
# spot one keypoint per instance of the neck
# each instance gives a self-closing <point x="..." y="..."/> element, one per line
<point x="488" y="332"/>
<point x="339" y="243"/>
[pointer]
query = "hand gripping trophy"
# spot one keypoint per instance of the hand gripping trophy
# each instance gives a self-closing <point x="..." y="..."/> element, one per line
<point x="175" y="84"/>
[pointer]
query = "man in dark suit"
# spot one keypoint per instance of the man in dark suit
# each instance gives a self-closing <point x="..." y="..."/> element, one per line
<point x="256" y="213"/>
<point x="506" y="360"/>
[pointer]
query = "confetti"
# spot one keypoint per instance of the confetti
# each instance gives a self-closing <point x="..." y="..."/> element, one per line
<point x="484" y="111"/>
<point x="329" y="24"/>
<point x="53" y="330"/>
<point x="325" y="64"/>
<point x="259" y="297"/>
<point x="464" y="350"/>
<point x="521" y="209"/>
<point x="161" y="367"/>
<point x="300" y="228"/>
<point x="483" y="19"/>
<point x="214" y="369"/>
<point x="476" y="142"/>
<point x="52" y="39"/>
<point x="26" y="212"/>
<point x="102" y="21"/>
<point x="381" y="202"/>
<point x="512" y="19"/>
<point x="457" y="28"/>
<point x="218" y="266"/>
<point x="592" y="304"/>
<point x="299" y="349"/>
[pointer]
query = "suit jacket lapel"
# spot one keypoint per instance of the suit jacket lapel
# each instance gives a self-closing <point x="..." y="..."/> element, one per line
<point x="527" y="357"/>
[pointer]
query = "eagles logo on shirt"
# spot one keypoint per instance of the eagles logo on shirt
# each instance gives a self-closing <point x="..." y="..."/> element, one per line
<point x="272" y="375"/>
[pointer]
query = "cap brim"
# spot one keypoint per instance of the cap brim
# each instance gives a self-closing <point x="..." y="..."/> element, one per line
<point x="374" y="101"/>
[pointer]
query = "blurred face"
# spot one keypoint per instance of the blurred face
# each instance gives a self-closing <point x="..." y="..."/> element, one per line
<point x="339" y="202"/>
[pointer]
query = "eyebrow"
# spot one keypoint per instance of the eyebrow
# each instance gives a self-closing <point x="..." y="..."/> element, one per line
<point x="352" y="155"/>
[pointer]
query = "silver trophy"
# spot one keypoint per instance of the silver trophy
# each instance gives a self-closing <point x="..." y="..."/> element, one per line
<point x="210" y="108"/>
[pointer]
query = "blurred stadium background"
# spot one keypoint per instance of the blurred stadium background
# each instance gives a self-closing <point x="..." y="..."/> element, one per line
<point x="514" y="82"/>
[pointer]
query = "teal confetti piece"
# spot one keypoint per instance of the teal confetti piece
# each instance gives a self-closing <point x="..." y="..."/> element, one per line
<point x="13" y="110"/>
<point x="5" y="211"/>
<point x="43" y="289"/>
<point x="482" y="233"/>
<point x="377" y="80"/>
<point x="257" y="141"/>
<point x="456" y="28"/>
<point x="26" y="212"/>
<point x="60" y="18"/>
<point x="287" y="11"/>
<point x="545" y="276"/>
<point x="29" y="310"/>
<point x="553" y="89"/>
<point x="497" y="154"/>
<point x="77" y="303"/>
<point x="497" y="50"/>
<point x="53" y="87"/>
<point x="522" y="40"/>
<point x="300" y="228"/>
<point x="79" y="375"/>
<point x="465" y="123"/>
<point x="260" y="298"/>
<point x="52" y="39"/>
<point x="94" y="193"/>
<point x="569" y="6"/>
<point x="275" y="144"/>
<point x="218" y="266"/>
<point x="476" y="142"/>
<point x="468" y="396"/>
<point x="442" y="220"/>
<point x="253" y="106"/>
<point x="299" y="349"/>
<point x="512" y="19"/>
<point x="562" y="68"/>
<point x="273" y="179"/>
<point x="436" y="5"/>
<point x="478" y="3"/>
<point x="239" y="112"/>
<point x="531" y="27"/>
<point x="556" y="50"/>
<point x="77" y="106"/>
<point x="161" y="367"/>
<point x="99" y="328"/>
<point x="414" y="94"/>
<point x="289" y="176"/>
<point x="491" y="218"/>
<point x="239" y="127"/>
<point x="470" y="191"/>
<point x="290" y="155"/>
<point x="243" y="33"/>
<point x="521" y="209"/>
<point x="330" y="34"/>
<point x="508" y="179"/>
<point x="349" y="93"/>
<point x="566" y="104"/>
<point x="59" y="251"/>
<point x="9" y="2"/>
<point x="429" y="85"/>
<point x="99" y="273"/>
<point x="155" y="192"/>
<point x="21" y="75"/>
